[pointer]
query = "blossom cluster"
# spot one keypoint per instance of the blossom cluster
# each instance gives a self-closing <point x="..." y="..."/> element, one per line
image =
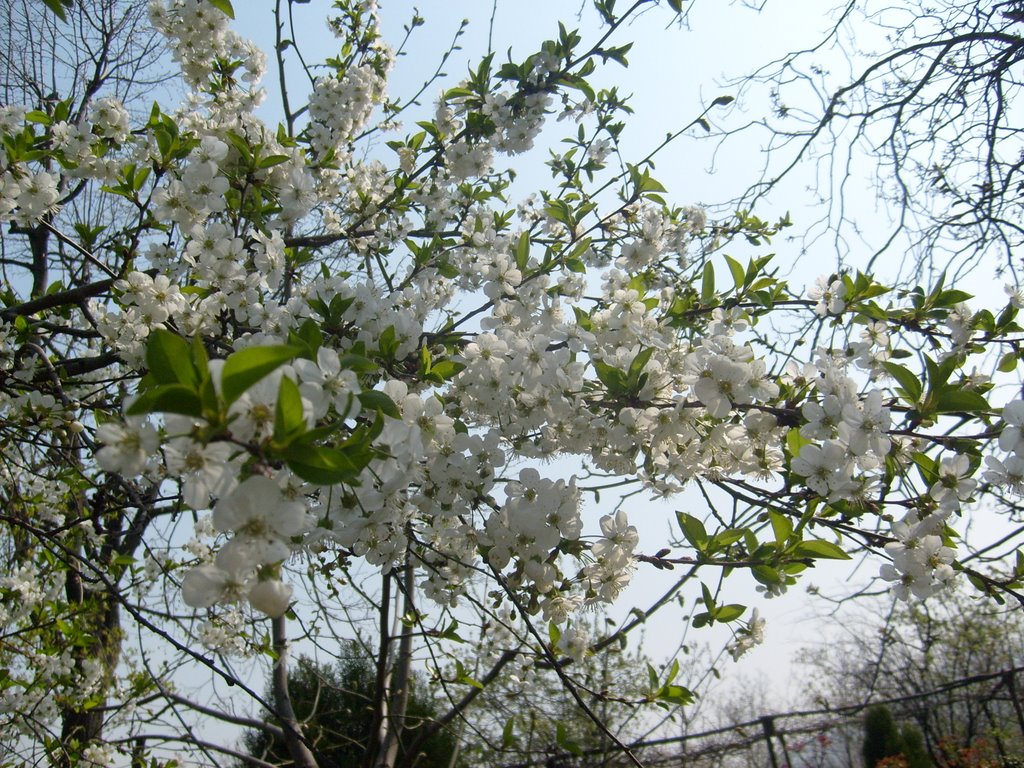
<point x="202" y="40"/>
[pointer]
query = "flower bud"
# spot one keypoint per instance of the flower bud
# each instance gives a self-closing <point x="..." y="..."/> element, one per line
<point x="271" y="598"/>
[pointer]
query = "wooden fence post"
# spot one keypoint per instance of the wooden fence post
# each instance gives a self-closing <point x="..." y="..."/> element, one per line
<point x="1011" y="685"/>
<point x="768" y="726"/>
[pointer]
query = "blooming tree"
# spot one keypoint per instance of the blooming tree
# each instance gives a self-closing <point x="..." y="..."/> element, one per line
<point x="301" y="387"/>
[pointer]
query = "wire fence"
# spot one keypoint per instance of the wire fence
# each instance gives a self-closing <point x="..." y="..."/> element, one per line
<point x="971" y="722"/>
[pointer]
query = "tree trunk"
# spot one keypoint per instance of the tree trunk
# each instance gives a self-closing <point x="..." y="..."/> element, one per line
<point x="101" y="621"/>
<point x="397" y="694"/>
<point x="300" y="753"/>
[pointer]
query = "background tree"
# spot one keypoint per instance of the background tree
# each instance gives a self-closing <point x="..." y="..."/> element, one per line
<point x="913" y="747"/>
<point x="335" y="704"/>
<point x="100" y="48"/>
<point x="104" y="49"/>
<point x="919" y="99"/>
<point x="919" y="648"/>
<point x="884" y="740"/>
<point x="881" y="736"/>
<point x="529" y="718"/>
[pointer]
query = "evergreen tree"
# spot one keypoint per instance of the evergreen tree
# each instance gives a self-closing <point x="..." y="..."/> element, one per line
<point x="884" y="739"/>
<point x="335" y="705"/>
<point x="881" y="736"/>
<point x="913" y="747"/>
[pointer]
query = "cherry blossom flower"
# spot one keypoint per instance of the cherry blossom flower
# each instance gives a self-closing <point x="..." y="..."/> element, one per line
<point x="955" y="483"/>
<point x="1011" y="439"/>
<point x="127" y="445"/>
<point x="830" y="295"/>
<point x="205" y="470"/>
<point x="1008" y="472"/>
<point x="262" y="519"/>
<point x="748" y="637"/>
<point x="206" y="585"/>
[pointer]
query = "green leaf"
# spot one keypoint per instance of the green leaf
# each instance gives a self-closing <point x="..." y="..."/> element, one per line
<point x="750" y="540"/>
<point x="451" y="632"/>
<point x="636" y="368"/>
<point x="1006" y="317"/>
<point x="462" y="676"/>
<point x="210" y="400"/>
<point x="928" y="468"/>
<point x="939" y="373"/>
<point x="365" y="434"/>
<point x="676" y="694"/>
<point x="559" y="211"/>
<point x="239" y="143"/>
<point x="765" y="574"/>
<point x="425" y="360"/>
<point x="645" y="183"/>
<point x="707" y="284"/>
<point x="310" y="335"/>
<point x="707" y="597"/>
<point x="224" y="6"/>
<point x="952" y="400"/>
<point x="910" y="382"/>
<point x="373" y="400"/>
<point x="59" y="7"/>
<point x="795" y="441"/>
<point x="289" y="415"/>
<point x="613" y="378"/>
<point x="507" y="736"/>
<point x="730" y="612"/>
<point x="387" y="343"/>
<point x="652" y="677"/>
<point x="739" y="274"/>
<point x="554" y="633"/>
<point x="40" y="118"/>
<point x="580" y="248"/>
<point x="820" y="550"/>
<point x="726" y="538"/>
<point x="167" y="398"/>
<point x="523" y="251"/>
<point x="169" y="360"/>
<point x="576" y="265"/>
<point x="271" y="160"/>
<point x="244" y="368"/>
<point x="321" y="465"/>
<point x="693" y="529"/>
<point x="782" y="526"/>
<point x="124" y="559"/>
<point x="951" y="298"/>
<point x="357" y="363"/>
<point x="1008" y="362"/>
<point x="673" y="671"/>
<point x="200" y="358"/>
<point x="316" y="435"/>
<point x="446" y="369"/>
